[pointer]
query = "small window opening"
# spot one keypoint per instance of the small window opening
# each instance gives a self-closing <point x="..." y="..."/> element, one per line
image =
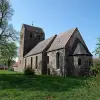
<point x="47" y="59"/>
<point x="39" y="37"/>
<point x="25" y="63"/>
<point x="79" y="61"/>
<point x="36" y="63"/>
<point x="90" y="62"/>
<point x="30" y="35"/>
<point x="57" y="60"/>
<point x="31" y="61"/>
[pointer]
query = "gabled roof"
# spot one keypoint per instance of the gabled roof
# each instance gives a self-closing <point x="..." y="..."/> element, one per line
<point x="61" y="40"/>
<point x="41" y="46"/>
<point x="80" y="50"/>
<point x="33" y="28"/>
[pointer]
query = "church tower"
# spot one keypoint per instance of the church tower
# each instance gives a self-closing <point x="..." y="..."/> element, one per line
<point x="30" y="36"/>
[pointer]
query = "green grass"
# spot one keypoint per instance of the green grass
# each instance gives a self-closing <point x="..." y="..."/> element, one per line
<point x="14" y="86"/>
<point x="8" y="72"/>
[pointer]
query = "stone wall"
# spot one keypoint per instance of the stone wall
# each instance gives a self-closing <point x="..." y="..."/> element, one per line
<point x="39" y="63"/>
<point x="77" y="70"/>
<point x="52" y="62"/>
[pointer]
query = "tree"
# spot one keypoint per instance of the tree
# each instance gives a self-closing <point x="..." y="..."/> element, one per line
<point x="8" y="35"/>
<point x="6" y="12"/>
<point x="7" y="32"/>
<point x="97" y="50"/>
<point x="7" y="53"/>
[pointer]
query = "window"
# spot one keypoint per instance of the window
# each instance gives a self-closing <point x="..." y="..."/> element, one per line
<point x="25" y="63"/>
<point x="79" y="61"/>
<point x="57" y="60"/>
<point x="39" y="37"/>
<point x="36" y="62"/>
<point x="90" y="62"/>
<point x="30" y="35"/>
<point x="31" y="61"/>
<point x="47" y="59"/>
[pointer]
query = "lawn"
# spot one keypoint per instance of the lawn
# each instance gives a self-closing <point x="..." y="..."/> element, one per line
<point x="15" y="86"/>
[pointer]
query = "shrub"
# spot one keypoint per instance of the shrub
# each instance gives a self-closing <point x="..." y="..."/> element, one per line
<point x="29" y="71"/>
<point x="10" y="69"/>
<point x="96" y="61"/>
<point x="94" y="70"/>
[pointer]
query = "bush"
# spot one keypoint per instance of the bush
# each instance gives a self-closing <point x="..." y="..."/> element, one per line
<point x="96" y="61"/>
<point x="29" y="71"/>
<point x="10" y="69"/>
<point x="94" y="70"/>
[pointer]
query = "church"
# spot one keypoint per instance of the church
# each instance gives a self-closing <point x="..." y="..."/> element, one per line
<point x="65" y="54"/>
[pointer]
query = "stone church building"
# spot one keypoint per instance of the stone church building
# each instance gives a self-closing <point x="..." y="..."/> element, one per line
<point x="63" y="54"/>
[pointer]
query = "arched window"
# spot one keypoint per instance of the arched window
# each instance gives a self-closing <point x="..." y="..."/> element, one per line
<point x="79" y="61"/>
<point x="57" y="60"/>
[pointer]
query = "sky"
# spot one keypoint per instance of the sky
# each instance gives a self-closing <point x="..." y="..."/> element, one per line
<point x="57" y="16"/>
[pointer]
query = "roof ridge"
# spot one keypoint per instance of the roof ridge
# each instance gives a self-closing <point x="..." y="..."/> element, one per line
<point x="32" y="26"/>
<point x="62" y="39"/>
<point x="68" y="30"/>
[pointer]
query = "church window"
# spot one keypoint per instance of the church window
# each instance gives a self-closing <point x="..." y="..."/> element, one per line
<point x="25" y="63"/>
<point x="31" y="61"/>
<point x="30" y="35"/>
<point x="39" y="37"/>
<point x="36" y="62"/>
<point x="79" y="61"/>
<point x="57" y="60"/>
<point x="47" y="59"/>
<point x="89" y="62"/>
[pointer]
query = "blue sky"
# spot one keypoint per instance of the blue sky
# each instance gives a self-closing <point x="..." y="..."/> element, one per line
<point x="56" y="16"/>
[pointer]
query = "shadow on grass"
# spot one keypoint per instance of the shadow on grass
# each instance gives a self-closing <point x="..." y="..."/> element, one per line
<point x="40" y="83"/>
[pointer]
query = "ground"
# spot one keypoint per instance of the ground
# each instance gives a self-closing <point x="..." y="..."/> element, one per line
<point x="16" y="86"/>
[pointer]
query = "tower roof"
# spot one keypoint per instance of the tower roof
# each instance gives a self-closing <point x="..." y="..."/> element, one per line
<point x="33" y="28"/>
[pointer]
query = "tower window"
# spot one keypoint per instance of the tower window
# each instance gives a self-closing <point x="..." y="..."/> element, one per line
<point x="79" y="61"/>
<point x="57" y="60"/>
<point x="30" y="35"/>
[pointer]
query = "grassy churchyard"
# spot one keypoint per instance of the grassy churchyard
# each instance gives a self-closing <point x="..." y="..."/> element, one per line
<point x="16" y="86"/>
